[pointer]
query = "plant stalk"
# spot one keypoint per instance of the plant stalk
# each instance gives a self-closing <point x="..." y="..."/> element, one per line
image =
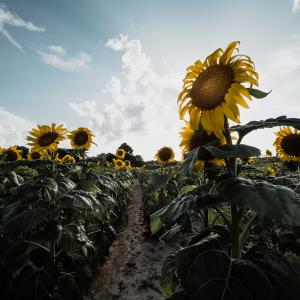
<point x="235" y="215"/>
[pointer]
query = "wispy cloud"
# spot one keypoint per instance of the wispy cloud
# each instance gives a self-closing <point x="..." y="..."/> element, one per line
<point x="296" y="5"/>
<point x="8" y="18"/>
<point x="56" y="56"/>
<point x="140" y="107"/>
<point x="13" y="128"/>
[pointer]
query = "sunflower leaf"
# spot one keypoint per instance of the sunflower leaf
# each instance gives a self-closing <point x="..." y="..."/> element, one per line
<point x="258" y="94"/>
<point x="187" y="202"/>
<point x="231" y="151"/>
<point x="270" y="201"/>
<point x="243" y="130"/>
<point x="222" y="151"/>
<point x="206" y="271"/>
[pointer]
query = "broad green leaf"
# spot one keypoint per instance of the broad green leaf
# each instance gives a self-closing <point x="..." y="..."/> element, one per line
<point x="268" y="123"/>
<point x="267" y="200"/>
<point x="169" y="280"/>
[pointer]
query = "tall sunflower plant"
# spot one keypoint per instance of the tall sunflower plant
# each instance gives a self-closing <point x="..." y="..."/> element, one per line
<point x="213" y="92"/>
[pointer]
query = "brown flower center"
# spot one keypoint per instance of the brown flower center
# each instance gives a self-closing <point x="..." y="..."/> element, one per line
<point x="81" y="138"/>
<point x="11" y="155"/>
<point x="211" y="86"/>
<point x="290" y="144"/>
<point x="201" y="138"/>
<point x="165" y="154"/>
<point x="119" y="163"/>
<point x="47" y="139"/>
<point x="35" y="155"/>
<point x="120" y="153"/>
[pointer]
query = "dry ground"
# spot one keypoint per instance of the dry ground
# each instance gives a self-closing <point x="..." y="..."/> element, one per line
<point x="132" y="271"/>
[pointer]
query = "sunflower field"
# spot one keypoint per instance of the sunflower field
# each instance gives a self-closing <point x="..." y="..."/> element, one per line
<point x="230" y="213"/>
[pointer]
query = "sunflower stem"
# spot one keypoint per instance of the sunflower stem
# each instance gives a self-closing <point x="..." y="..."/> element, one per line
<point x="235" y="213"/>
<point x="205" y="211"/>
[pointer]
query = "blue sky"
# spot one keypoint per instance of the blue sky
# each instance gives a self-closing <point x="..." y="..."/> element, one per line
<point x="117" y="66"/>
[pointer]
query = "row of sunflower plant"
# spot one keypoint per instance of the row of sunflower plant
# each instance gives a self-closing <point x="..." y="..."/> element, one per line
<point x="226" y="260"/>
<point x="44" y="141"/>
<point x="56" y="219"/>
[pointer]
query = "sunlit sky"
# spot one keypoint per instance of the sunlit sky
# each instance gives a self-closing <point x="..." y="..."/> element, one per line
<point x="117" y="66"/>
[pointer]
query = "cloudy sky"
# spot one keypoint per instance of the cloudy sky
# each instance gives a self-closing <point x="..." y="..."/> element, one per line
<point x="117" y="66"/>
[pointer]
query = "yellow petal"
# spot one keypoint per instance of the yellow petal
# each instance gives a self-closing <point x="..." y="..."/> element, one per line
<point x="228" y="52"/>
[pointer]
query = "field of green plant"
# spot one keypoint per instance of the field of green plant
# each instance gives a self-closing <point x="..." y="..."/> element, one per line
<point x="232" y="211"/>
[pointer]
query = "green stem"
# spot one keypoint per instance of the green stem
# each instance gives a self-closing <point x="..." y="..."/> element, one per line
<point x="52" y="251"/>
<point x="246" y="230"/>
<point x="205" y="211"/>
<point x="235" y="215"/>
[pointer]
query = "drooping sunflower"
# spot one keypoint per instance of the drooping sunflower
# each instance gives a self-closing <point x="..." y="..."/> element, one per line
<point x="81" y="138"/>
<point x="192" y="138"/>
<point x="213" y="89"/>
<point x="46" y="137"/>
<point x="37" y="154"/>
<point x="287" y="144"/>
<point x="12" y="153"/>
<point x="119" y="164"/>
<point x="120" y="153"/>
<point x="68" y="159"/>
<point x="165" y="155"/>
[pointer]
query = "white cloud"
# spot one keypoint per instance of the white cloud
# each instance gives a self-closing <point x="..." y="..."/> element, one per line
<point x="280" y="72"/>
<point x="55" y="56"/>
<point x="141" y="106"/>
<point x="11" y="19"/>
<point x="57" y="49"/>
<point x="296" y="5"/>
<point x="13" y="129"/>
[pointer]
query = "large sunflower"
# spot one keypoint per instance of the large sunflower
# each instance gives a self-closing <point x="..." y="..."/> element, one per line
<point x="46" y="137"/>
<point x="213" y="89"/>
<point x="81" y="138"/>
<point x="12" y="153"/>
<point x="119" y="164"/>
<point x="165" y="155"/>
<point x="287" y="144"/>
<point x="120" y="153"/>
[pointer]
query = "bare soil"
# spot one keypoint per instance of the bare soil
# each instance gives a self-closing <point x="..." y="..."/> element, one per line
<point x="132" y="270"/>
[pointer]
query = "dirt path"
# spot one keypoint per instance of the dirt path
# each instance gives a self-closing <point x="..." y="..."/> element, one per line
<point x="132" y="271"/>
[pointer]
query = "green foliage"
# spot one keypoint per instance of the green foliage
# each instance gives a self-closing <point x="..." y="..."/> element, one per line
<point x="55" y="223"/>
<point x="204" y="270"/>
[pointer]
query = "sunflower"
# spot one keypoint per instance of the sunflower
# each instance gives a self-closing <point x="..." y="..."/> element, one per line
<point x="192" y="138"/>
<point x="81" y="138"/>
<point x="120" y="153"/>
<point x="268" y="153"/>
<point x="165" y="155"/>
<point x="37" y="154"/>
<point x="128" y="164"/>
<point x="287" y="144"/>
<point x="213" y="89"/>
<point x="46" y="137"/>
<point x="248" y="160"/>
<point x="68" y="159"/>
<point x="12" y="153"/>
<point x="119" y="164"/>
<point x="271" y="172"/>
<point x="198" y="166"/>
